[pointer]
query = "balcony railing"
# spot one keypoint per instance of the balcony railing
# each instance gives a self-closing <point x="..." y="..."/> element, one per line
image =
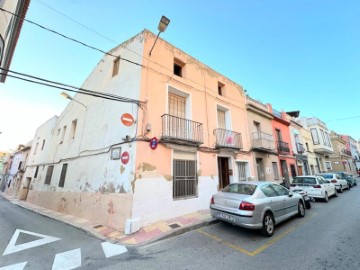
<point x="176" y="128"/>
<point x="227" y="139"/>
<point x="263" y="141"/>
<point x="283" y="147"/>
<point x="300" y="148"/>
<point x="346" y="152"/>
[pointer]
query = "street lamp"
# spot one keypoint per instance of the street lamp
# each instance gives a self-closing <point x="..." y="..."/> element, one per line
<point x="66" y="95"/>
<point x="164" y="22"/>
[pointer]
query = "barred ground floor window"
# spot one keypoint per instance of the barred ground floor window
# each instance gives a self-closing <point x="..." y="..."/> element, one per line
<point x="185" y="183"/>
<point x="243" y="170"/>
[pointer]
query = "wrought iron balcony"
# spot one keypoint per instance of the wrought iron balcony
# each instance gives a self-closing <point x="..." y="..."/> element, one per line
<point x="346" y="152"/>
<point x="179" y="129"/>
<point x="300" y="148"/>
<point x="227" y="139"/>
<point x="262" y="141"/>
<point x="283" y="147"/>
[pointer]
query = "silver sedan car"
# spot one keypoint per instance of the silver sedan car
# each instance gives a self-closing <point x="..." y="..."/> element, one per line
<point x="256" y="205"/>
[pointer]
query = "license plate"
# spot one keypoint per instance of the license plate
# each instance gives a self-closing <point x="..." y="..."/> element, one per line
<point x="226" y="216"/>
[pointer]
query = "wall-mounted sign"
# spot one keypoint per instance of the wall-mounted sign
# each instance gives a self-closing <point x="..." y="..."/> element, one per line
<point x="127" y="119"/>
<point x="153" y="143"/>
<point x="125" y="158"/>
<point x="115" y="153"/>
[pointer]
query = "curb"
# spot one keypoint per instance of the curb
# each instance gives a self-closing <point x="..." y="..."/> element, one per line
<point x="170" y="234"/>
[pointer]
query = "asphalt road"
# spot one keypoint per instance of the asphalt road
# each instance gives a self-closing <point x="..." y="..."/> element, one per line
<point x="24" y="236"/>
<point x="327" y="238"/>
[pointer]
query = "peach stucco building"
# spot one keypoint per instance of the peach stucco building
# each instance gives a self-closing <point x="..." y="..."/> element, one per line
<point x="180" y="135"/>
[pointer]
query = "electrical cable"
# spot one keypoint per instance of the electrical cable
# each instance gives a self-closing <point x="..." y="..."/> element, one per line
<point x="77" y="22"/>
<point x="70" y="88"/>
<point x="69" y="38"/>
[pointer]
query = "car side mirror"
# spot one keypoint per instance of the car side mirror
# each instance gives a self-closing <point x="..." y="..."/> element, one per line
<point x="291" y="194"/>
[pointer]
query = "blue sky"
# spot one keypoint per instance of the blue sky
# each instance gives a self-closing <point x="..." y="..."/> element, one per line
<point x="296" y="55"/>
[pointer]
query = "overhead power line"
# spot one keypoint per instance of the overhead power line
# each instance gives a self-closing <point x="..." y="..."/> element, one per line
<point x="346" y="118"/>
<point x="77" y="22"/>
<point x="70" y="88"/>
<point x="69" y="38"/>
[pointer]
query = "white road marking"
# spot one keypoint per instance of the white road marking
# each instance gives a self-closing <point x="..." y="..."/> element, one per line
<point x="11" y="248"/>
<point x="67" y="260"/>
<point x="111" y="250"/>
<point x="18" y="266"/>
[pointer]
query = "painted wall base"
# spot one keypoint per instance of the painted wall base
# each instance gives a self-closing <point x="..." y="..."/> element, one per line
<point x="110" y="209"/>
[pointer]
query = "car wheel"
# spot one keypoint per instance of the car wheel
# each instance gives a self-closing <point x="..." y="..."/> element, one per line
<point x="326" y="197"/>
<point x="348" y="187"/>
<point x="268" y="225"/>
<point x="341" y="189"/>
<point x="307" y="205"/>
<point x="301" y="209"/>
<point x="336" y="193"/>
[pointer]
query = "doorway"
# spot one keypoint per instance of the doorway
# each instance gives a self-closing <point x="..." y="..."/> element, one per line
<point x="260" y="169"/>
<point x="223" y="166"/>
<point x="284" y="171"/>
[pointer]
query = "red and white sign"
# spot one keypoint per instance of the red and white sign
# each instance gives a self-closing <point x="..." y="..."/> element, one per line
<point x="127" y="119"/>
<point x="125" y="158"/>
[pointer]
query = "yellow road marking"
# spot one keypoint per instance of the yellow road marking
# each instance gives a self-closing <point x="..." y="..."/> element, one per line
<point x="259" y="249"/>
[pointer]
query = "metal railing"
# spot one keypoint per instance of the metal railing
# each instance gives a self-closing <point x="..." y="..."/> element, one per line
<point x="283" y="147"/>
<point x="262" y="140"/>
<point x="346" y="152"/>
<point x="227" y="138"/>
<point x="300" y="148"/>
<point x="181" y="129"/>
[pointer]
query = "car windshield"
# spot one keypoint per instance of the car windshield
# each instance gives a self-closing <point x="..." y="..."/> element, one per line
<point x="246" y="189"/>
<point x="304" y="180"/>
<point x="327" y="176"/>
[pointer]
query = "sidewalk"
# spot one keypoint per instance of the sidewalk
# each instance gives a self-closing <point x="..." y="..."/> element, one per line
<point x="154" y="232"/>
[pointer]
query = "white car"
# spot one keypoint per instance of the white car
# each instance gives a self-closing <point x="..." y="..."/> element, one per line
<point x="335" y="179"/>
<point x="315" y="186"/>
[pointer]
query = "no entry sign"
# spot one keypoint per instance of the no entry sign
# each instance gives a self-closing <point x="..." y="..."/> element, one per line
<point x="125" y="158"/>
<point x="127" y="119"/>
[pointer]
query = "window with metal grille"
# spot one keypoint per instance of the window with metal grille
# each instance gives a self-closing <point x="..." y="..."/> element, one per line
<point x="185" y="179"/>
<point x="63" y="175"/>
<point x="276" y="171"/>
<point x="49" y="175"/>
<point x="242" y="170"/>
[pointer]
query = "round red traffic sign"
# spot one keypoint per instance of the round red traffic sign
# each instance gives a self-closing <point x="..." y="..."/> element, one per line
<point x="153" y="143"/>
<point x="125" y="158"/>
<point x="127" y="119"/>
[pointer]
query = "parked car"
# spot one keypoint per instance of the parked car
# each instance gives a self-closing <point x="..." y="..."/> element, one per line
<point x="315" y="186"/>
<point x="256" y="205"/>
<point x="351" y="181"/>
<point x="335" y="179"/>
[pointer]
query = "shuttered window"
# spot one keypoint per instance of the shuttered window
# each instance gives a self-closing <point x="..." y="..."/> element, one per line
<point x="221" y="119"/>
<point x="177" y="105"/>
